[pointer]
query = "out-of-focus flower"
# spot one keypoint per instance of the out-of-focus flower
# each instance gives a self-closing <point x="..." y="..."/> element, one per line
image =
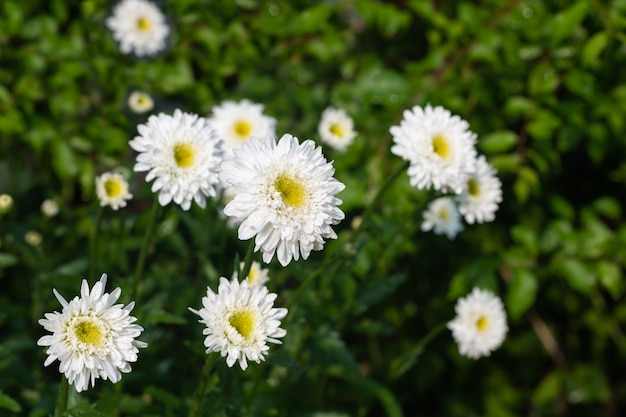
<point x="140" y="102"/>
<point x="284" y="195"/>
<point x="112" y="190"/>
<point x="33" y="238"/>
<point x="336" y="128"/>
<point x="6" y="202"/>
<point x="479" y="202"/>
<point x="442" y="217"/>
<point x="50" y="207"/>
<point x="139" y="27"/>
<point x="257" y="275"/>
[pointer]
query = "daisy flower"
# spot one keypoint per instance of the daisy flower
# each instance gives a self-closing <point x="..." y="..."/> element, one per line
<point x="240" y="321"/>
<point x="443" y="217"/>
<point x="256" y="276"/>
<point x="139" y="27"/>
<point x="336" y="128"/>
<point x="235" y="123"/>
<point x="112" y="190"/>
<point x="50" y="207"/>
<point x="479" y="201"/>
<point x="284" y="195"/>
<point x="140" y="102"/>
<point x="92" y="337"/>
<point x="480" y="324"/>
<point x="6" y="202"/>
<point x="439" y="147"/>
<point x="182" y="155"/>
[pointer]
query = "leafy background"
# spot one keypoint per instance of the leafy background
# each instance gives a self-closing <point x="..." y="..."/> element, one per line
<point x="542" y="85"/>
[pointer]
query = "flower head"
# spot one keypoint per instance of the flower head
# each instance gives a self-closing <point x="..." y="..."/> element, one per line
<point x="439" y="147"/>
<point x="92" y="337"/>
<point x="33" y="238"/>
<point x="480" y="324"/>
<point x="442" y="216"/>
<point x="336" y="128"/>
<point x="235" y="123"/>
<point x="112" y="190"/>
<point x="181" y="154"/>
<point x="256" y="276"/>
<point x="479" y="202"/>
<point x="140" y="102"/>
<point x="50" y="207"/>
<point x="284" y="195"/>
<point x="240" y="320"/>
<point x="6" y="202"/>
<point x="139" y="27"/>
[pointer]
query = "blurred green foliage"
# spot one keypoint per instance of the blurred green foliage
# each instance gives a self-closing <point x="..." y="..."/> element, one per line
<point x="542" y="85"/>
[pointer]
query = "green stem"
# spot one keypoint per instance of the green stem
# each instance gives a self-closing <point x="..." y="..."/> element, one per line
<point x="406" y="361"/>
<point x="62" y="399"/>
<point x="202" y="385"/>
<point x="247" y="263"/>
<point x="94" y="245"/>
<point x="144" y="247"/>
<point x="381" y="191"/>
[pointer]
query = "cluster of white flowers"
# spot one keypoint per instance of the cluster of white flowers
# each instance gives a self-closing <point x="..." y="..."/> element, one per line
<point x="441" y="153"/>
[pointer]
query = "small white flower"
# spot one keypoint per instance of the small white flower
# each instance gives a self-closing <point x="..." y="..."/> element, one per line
<point x="240" y="320"/>
<point x="92" y="337"/>
<point x="443" y="217"/>
<point x="479" y="201"/>
<point x="6" y="202"/>
<point x="235" y="123"/>
<point x="140" y="102"/>
<point x="256" y="276"/>
<point x="139" y="27"/>
<point x="439" y="147"/>
<point x="33" y="238"/>
<point x="336" y="128"/>
<point x="480" y="324"/>
<point x="50" y="208"/>
<point x="112" y="190"/>
<point x="284" y="195"/>
<point x="182" y="155"/>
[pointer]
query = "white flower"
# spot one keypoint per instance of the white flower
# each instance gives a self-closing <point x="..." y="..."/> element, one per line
<point x="284" y="195"/>
<point x="91" y="337"/>
<point x="479" y="201"/>
<point x="6" y="202"/>
<point x="240" y="320"/>
<point x="139" y="27"/>
<point x="50" y="208"/>
<point x="256" y="276"/>
<point x="336" y="128"/>
<point x="480" y="324"/>
<point x="140" y="102"/>
<point x="33" y="238"/>
<point x="182" y="154"/>
<point x="112" y="190"/>
<point x="235" y="123"/>
<point x="443" y="216"/>
<point x="439" y="147"/>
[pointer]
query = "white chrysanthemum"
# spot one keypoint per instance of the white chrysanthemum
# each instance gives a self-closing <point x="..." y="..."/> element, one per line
<point x="92" y="337"/>
<point x="140" y="102"/>
<point x="240" y="320"/>
<point x="256" y="276"/>
<point x="336" y="128"/>
<point x="112" y="190"/>
<point x="479" y="201"/>
<point x="443" y="217"/>
<point x="439" y="147"/>
<point x="284" y="195"/>
<point x="49" y="207"/>
<point x="182" y="154"/>
<point x="6" y="202"/>
<point x="235" y="123"/>
<point x="139" y="27"/>
<point x="480" y="324"/>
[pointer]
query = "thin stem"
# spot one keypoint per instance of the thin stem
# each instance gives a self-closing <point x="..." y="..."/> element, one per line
<point x="144" y="247"/>
<point x="94" y="245"/>
<point x="406" y="361"/>
<point x="61" y="407"/>
<point x="202" y="385"/>
<point x="247" y="263"/>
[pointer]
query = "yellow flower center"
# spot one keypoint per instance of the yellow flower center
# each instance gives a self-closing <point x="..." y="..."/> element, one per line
<point x="473" y="187"/>
<point x="184" y="155"/>
<point x="112" y="187"/>
<point x="337" y="130"/>
<point x="443" y="214"/>
<point x="291" y="190"/>
<point x="441" y="146"/>
<point x="143" y="24"/>
<point x="243" y="321"/>
<point x="242" y="129"/>
<point x="482" y="323"/>
<point x="89" y="332"/>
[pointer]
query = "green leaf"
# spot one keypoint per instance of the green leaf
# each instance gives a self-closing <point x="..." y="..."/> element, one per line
<point x="377" y="291"/>
<point x="566" y="21"/>
<point x="7" y="259"/>
<point x="593" y="48"/>
<point x="498" y="142"/>
<point x="521" y="293"/>
<point x="586" y="384"/>
<point x="64" y="160"/>
<point x="610" y="277"/>
<point x="9" y="403"/>
<point x="577" y="275"/>
<point x="160" y="316"/>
